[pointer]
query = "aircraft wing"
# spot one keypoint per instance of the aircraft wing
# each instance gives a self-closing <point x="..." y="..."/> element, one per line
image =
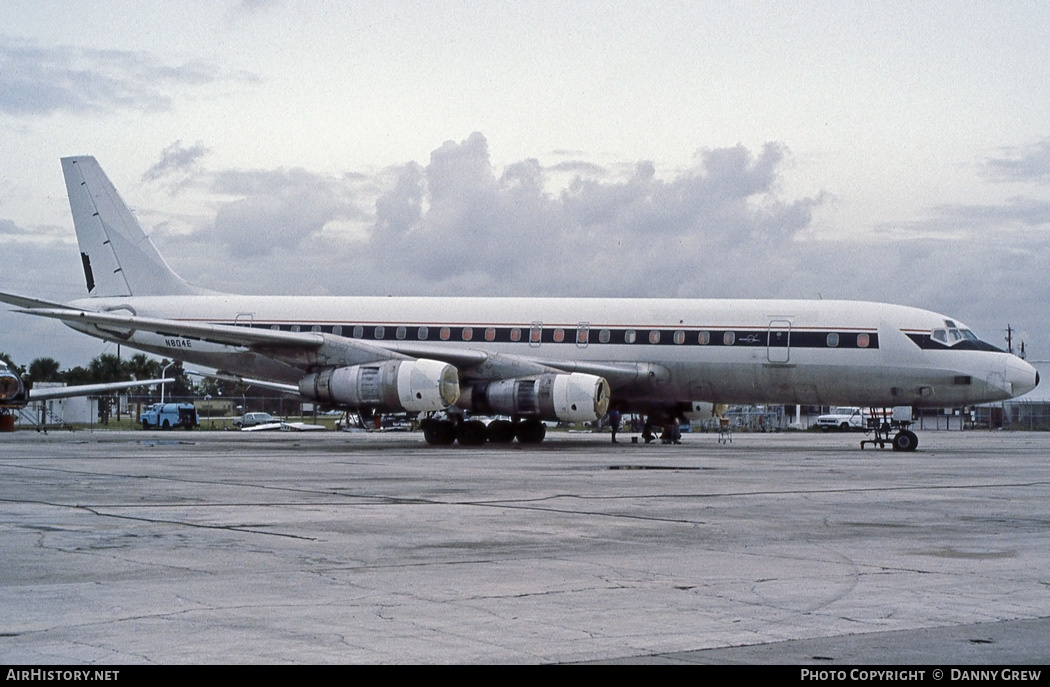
<point x="480" y="364"/>
<point x="31" y="303"/>
<point x="91" y="389"/>
<point x="213" y="333"/>
<point x="261" y="383"/>
<point x="485" y="365"/>
<point x="230" y="335"/>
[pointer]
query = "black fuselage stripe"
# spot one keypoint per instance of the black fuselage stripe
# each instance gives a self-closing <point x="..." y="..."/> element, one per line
<point x="590" y="336"/>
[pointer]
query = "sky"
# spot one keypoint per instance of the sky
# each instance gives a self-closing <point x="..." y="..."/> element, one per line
<point x="883" y="151"/>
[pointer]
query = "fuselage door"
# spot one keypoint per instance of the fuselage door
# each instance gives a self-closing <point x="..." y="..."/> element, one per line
<point x="778" y="345"/>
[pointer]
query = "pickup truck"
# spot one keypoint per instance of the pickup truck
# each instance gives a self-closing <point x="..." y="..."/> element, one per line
<point x="168" y="415"/>
<point x="844" y="418"/>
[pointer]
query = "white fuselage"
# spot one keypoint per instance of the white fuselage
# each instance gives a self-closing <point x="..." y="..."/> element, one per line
<point x="726" y="351"/>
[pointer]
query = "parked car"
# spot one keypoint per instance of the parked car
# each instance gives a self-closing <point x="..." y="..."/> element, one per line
<point x="844" y="418"/>
<point x="252" y="419"/>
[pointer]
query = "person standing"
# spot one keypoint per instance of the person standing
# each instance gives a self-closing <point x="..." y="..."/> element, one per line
<point x="614" y="423"/>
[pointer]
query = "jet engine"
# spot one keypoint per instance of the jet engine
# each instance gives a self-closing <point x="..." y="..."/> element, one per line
<point x="12" y="391"/>
<point x="386" y="386"/>
<point x="572" y="397"/>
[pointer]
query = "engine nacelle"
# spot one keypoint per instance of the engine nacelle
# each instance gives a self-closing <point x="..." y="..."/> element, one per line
<point x="387" y="386"/>
<point x="12" y="391"/>
<point x="572" y="397"/>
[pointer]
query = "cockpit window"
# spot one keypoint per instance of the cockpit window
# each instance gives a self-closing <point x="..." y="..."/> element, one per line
<point x="955" y="336"/>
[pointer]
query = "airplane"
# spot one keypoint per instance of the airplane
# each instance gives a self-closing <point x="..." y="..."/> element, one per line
<point x="14" y="395"/>
<point x="529" y="359"/>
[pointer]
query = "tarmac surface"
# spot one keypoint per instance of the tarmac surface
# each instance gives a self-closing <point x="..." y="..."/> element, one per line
<point x="225" y="547"/>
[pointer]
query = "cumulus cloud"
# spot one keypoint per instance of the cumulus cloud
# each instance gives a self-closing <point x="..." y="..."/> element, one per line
<point x="459" y="225"/>
<point x="276" y="211"/>
<point x="45" y="80"/>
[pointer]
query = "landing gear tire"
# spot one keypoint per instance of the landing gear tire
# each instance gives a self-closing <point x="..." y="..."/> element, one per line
<point x="500" y="431"/>
<point x="166" y="425"/>
<point x="905" y="441"/>
<point x="531" y="431"/>
<point x="472" y="433"/>
<point x="439" y="432"/>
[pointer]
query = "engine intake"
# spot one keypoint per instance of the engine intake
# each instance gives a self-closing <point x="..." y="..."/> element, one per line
<point x="574" y="397"/>
<point x="386" y="386"/>
<point x="11" y="388"/>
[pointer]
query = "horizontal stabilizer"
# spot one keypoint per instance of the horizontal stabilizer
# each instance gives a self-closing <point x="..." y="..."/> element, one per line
<point x="28" y="303"/>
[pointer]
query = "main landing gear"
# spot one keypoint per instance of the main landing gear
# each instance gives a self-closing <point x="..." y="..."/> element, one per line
<point x="446" y="432"/>
<point x="881" y="428"/>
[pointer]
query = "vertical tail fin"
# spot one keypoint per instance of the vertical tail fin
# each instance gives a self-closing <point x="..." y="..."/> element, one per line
<point x="119" y="259"/>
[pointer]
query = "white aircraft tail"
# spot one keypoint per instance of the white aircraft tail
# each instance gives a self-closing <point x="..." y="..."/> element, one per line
<point x="119" y="258"/>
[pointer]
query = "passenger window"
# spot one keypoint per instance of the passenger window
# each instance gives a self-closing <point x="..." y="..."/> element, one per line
<point x="833" y="339"/>
<point x="515" y="334"/>
<point x="295" y="327"/>
<point x="703" y="338"/>
<point x="359" y="332"/>
<point x="729" y="338"/>
<point x="468" y="333"/>
<point x="422" y="333"/>
<point x="559" y="335"/>
<point x="337" y="330"/>
<point x="316" y="329"/>
<point x="654" y="336"/>
<point x="604" y="336"/>
<point x="679" y="337"/>
<point x="446" y="333"/>
<point x="400" y="332"/>
<point x="490" y="334"/>
<point x="863" y="340"/>
<point x="629" y="336"/>
<point x="380" y="332"/>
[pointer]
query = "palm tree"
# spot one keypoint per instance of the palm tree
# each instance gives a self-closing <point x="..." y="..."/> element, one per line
<point x="107" y="368"/>
<point x="140" y="366"/>
<point x="44" y="370"/>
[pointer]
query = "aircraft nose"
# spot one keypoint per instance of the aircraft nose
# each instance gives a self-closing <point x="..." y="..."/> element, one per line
<point x="1021" y="376"/>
